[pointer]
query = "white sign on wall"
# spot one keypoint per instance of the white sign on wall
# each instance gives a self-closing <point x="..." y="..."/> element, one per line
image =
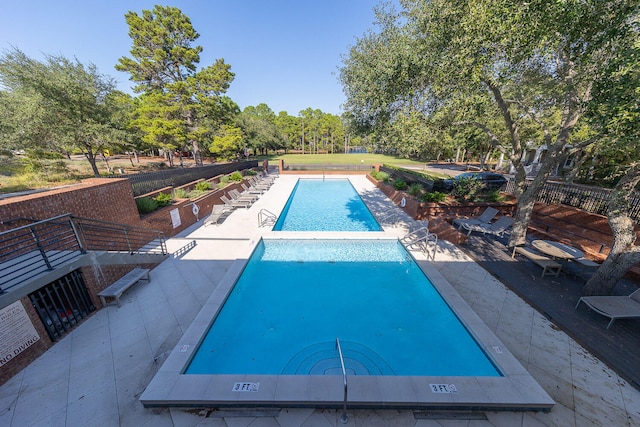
<point x="175" y="218"/>
<point x="17" y="332"/>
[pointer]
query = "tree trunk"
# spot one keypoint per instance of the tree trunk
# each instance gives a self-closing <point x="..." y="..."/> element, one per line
<point x="197" y="155"/>
<point x="610" y="272"/>
<point x="106" y="162"/>
<point x="527" y="199"/>
<point x="91" y="157"/>
<point x="624" y="253"/>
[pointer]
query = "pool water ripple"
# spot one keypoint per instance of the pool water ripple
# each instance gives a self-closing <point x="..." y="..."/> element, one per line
<point x="323" y="359"/>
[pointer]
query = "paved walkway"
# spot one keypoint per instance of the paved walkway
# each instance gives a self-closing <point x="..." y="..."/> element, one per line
<point x="94" y="376"/>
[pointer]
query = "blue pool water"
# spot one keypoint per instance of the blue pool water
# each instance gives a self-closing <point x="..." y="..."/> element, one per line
<point x="325" y="205"/>
<point x="295" y="297"/>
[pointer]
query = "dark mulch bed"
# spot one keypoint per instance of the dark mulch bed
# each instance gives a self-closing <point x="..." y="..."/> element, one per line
<point x="556" y="298"/>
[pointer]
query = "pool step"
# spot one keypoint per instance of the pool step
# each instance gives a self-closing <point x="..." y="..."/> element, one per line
<point x="322" y="359"/>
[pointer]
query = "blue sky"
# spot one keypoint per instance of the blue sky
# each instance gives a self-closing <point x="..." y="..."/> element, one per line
<point x="284" y="53"/>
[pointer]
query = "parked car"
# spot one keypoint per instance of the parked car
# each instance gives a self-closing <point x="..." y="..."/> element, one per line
<point x="490" y="181"/>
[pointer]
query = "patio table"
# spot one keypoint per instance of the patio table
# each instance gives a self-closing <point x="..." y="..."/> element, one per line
<point x="557" y="250"/>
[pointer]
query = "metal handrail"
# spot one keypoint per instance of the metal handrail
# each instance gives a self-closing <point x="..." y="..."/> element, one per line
<point x="343" y="417"/>
<point x="29" y="250"/>
<point x="266" y="217"/>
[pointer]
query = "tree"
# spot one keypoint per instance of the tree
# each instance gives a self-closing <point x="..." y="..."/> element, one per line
<point x="616" y="112"/>
<point x="260" y="130"/>
<point x="227" y="143"/>
<point x="66" y="104"/>
<point x="448" y="54"/>
<point x="160" y="123"/>
<point x="164" y="63"/>
<point x="289" y="128"/>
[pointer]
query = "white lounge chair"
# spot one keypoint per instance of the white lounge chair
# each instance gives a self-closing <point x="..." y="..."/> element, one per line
<point x="252" y="190"/>
<point x="484" y="218"/>
<point x="217" y="213"/>
<point x="236" y="195"/>
<point x="233" y="204"/>
<point x="497" y="228"/>
<point x="615" y="307"/>
<point x="256" y="183"/>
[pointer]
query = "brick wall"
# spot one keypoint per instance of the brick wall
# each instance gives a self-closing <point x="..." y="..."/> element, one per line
<point x="95" y="198"/>
<point x="161" y="219"/>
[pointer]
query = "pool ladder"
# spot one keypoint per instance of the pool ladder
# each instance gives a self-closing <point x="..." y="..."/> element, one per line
<point x="266" y="218"/>
<point x="343" y="417"/>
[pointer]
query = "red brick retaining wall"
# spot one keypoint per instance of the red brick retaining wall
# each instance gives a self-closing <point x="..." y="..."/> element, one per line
<point x="96" y="198"/>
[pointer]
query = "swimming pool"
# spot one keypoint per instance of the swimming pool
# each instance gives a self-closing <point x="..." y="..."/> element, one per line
<point x="303" y="294"/>
<point x="306" y="380"/>
<point x="325" y="205"/>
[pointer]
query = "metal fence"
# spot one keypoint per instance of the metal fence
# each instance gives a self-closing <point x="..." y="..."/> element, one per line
<point x="589" y="199"/>
<point x="147" y="182"/>
<point x="327" y="167"/>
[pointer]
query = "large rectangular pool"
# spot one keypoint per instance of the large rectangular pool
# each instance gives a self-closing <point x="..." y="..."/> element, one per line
<point x="325" y="205"/>
<point x="295" y="297"/>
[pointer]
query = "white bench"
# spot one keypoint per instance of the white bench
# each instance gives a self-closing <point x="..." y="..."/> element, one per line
<point x="122" y="284"/>
<point x="548" y="265"/>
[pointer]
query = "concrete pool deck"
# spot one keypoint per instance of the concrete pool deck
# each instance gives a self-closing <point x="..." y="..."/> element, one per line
<point x="96" y="374"/>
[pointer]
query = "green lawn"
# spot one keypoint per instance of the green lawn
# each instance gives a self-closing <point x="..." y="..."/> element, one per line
<point x="18" y="174"/>
<point x="344" y="159"/>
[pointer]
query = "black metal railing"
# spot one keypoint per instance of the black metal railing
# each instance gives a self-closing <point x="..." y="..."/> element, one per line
<point x="30" y="250"/>
<point x="147" y="182"/>
<point x="589" y="199"/>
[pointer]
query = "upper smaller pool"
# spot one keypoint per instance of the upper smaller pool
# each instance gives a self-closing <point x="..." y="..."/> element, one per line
<point x="325" y="205"/>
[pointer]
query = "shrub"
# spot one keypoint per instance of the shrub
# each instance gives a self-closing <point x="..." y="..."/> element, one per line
<point x="156" y="165"/>
<point x="146" y="205"/>
<point x="466" y="189"/>
<point x="415" y="189"/>
<point x="383" y="176"/>
<point x="399" y="184"/>
<point x="195" y="193"/>
<point x="223" y="181"/>
<point x="180" y="193"/>
<point x="163" y="199"/>
<point x="494" y="196"/>
<point x="250" y="172"/>
<point x="434" y="197"/>
<point x="236" y="176"/>
<point x="203" y="186"/>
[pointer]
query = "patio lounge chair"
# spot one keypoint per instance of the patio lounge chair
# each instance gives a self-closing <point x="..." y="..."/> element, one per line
<point x="233" y="204"/>
<point x="252" y="190"/>
<point x="615" y="307"/>
<point x="236" y="195"/>
<point x="218" y="212"/>
<point x="497" y="228"/>
<point x="484" y="218"/>
<point x="256" y="183"/>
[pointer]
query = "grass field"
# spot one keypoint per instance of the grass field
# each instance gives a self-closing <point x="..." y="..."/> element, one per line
<point x="21" y="174"/>
<point x="345" y="159"/>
